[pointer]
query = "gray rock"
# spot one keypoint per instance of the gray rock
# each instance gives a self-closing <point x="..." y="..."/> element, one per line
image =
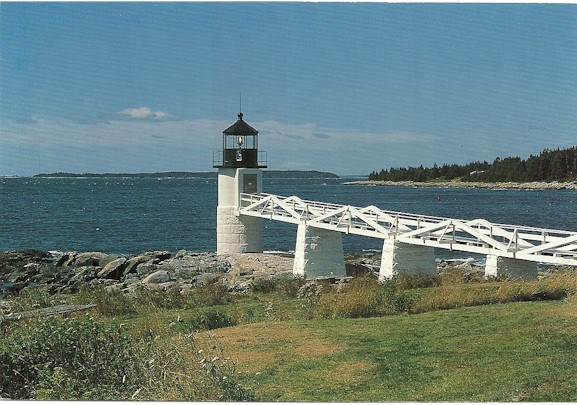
<point x="206" y="278"/>
<point x="181" y="253"/>
<point x="113" y="270"/>
<point x="180" y="269"/>
<point x="136" y="261"/>
<point x="97" y="282"/>
<point x="85" y="273"/>
<point x="90" y="259"/>
<point x="74" y="287"/>
<point x="159" y="255"/>
<point x="114" y="287"/>
<point x="108" y="259"/>
<point x="66" y="259"/>
<point x="160" y="276"/>
<point x="147" y="268"/>
<point x="17" y="276"/>
<point x="131" y="279"/>
<point x="168" y="285"/>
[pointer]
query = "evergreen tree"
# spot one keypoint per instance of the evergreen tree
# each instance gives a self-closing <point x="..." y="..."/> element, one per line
<point x="560" y="164"/>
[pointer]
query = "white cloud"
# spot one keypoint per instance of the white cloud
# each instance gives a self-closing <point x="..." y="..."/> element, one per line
<point x="143" y="112"/>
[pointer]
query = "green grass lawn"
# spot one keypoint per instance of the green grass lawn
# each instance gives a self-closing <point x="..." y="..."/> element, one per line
<point x="452" y="341"/>
<point x="523" y="351"/>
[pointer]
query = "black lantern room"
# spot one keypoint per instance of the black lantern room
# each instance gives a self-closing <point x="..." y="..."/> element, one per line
<point x="239" y="147"/>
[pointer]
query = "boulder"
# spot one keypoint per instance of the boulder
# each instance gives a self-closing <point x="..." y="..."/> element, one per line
<point x="147" y="268"/>
<point x="159" y="255"/>
<point x="135" y="261"/>
<point x="181" y="253"/>
<point x="206" y="278"/>
<point x="85" y="273"/>
<point x="17" y="276"/>
<point x="114" y="269"/>
<point x="131" y="279"/>
<point x="91" y="259"/>
<point x="169" y="285"/>
<point x="102" y="282"/>
<point x="32" y="268"/>
<point x="114" y="287"/>
<point x="67" y="259"/>
<point x="28" y="260"/>
<point x="160" y="276"/>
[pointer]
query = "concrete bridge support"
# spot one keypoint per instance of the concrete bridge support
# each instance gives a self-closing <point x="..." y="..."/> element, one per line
<point x="401" y="258"/>
<point x="513" y="268"/>
<point x="318" y="253"/>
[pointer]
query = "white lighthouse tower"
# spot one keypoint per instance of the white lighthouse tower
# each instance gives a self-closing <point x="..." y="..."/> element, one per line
<point x="239" y="171"/>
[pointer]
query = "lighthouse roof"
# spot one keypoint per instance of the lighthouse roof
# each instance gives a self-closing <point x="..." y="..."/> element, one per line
<point x="240" y="128"/>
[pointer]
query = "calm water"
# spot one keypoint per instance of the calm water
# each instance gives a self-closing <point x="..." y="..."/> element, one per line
<point x="133" y="215"/>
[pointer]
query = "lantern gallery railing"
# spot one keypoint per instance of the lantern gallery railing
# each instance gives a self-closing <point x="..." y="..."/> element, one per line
<point x="476" y="236"/>
<point x="239" y="158"/>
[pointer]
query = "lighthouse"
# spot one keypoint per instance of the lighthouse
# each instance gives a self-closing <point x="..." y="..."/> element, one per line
<point x="240" y="167"/>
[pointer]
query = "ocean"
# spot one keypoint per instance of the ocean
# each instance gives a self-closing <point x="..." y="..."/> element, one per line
<point x="133" y="215"/>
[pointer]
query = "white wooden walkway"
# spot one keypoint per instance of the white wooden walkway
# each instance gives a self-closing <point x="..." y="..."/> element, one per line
<point x="477" y="236"/>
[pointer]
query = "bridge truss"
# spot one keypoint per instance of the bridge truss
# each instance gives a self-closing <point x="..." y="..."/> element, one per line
<point x="476" y="236"/>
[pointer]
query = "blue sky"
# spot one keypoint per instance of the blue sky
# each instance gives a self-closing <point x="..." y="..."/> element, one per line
<point x="342" y="87"/>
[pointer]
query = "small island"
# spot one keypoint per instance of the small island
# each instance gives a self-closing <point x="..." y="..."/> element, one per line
<point x="272" y="174"/>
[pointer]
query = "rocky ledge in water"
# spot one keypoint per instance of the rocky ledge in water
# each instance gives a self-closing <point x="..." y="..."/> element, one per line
<point x="535" y="185"/>
<point x="68" y="272"/>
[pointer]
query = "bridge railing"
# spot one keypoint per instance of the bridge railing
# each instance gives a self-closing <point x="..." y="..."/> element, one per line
<point x="476" y="235"/>
<point x="417" y="220"/>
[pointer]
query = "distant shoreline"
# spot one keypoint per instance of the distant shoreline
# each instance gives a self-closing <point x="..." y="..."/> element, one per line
<point x="308" y="174"/>
<point x="535" y="185"/>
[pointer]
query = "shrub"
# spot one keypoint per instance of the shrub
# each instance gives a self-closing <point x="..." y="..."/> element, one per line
<point x="68" y="359"/>
<point x="170" y="298"/>
<point x="451" y="277"/>
<point x="84" y="359"/>
<point x="287" y="286"/>
<point x="410" y="281"/>
<point x="213" y="293"/>
<point x="358" y="299"/>
<point x="109" y="302"/>
<point x="395" y="300"/>
<point x="35" y="298"/>
<point x="364" y="297"/>
<point x="310" y="293"/>
<point x="290" y="286"/>
<point x="262" y="285"/>
<point x="211" y="319"/>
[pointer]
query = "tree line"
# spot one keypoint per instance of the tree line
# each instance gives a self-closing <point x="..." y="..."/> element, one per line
<point x="549" y="165"/>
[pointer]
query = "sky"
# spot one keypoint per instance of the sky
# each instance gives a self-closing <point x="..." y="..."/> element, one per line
<point x="342" y="87"/>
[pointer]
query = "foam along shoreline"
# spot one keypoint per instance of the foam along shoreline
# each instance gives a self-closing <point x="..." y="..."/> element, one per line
<point x="535" y="185"/>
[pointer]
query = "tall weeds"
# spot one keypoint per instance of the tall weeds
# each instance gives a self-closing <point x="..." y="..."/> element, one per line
<point x="83" y="358"/>
<point x="77" y="358"/>
<point x="454" y="292"/>
<point x="364" y="297"/>
<point x="184" y="368"/>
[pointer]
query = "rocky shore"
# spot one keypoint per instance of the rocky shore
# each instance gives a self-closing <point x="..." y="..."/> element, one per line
<point x="536" y="185"/>
<point x="68" y="272"/>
